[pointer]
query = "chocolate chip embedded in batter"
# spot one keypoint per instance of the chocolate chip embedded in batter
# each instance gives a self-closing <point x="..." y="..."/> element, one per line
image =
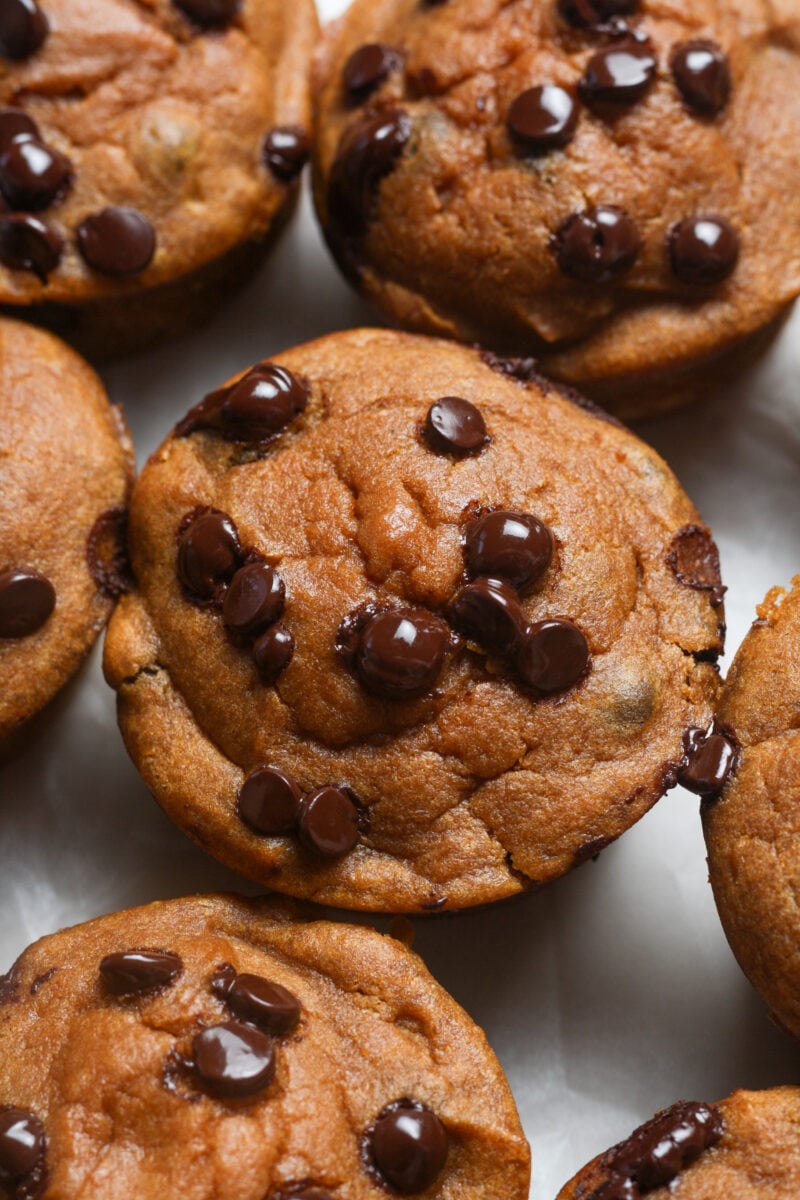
<point x="272" y="653"/>
<point x="254" y="600"/>
<point x="659" y="1150"/>
<point x="208" y="554"/>
<point x="703" y="250"/>
<point x="455" y="426"/>
<point x="255" y="409"/>
<point x="709" y="762"/>
<point x="368" y="151"/>
<point x="619" y="74"/>
<point x="32" y="174"/>
<point x="15" y="124"/>
<point x="27" y="599"/>
<point x="408" y="1145"/>
<point x="366" y="69"/>
<point x="514" y="546"/>
<point x="234" y="1059"/>
<point x="23" y="28"/>
<point x="553" y="657"/>
<point x="133" y="972"/>
<point x="22" y="1149"/>
<point x="29" y="244"/>
<point x="269" y="802"/>
<point x="117" y="241"/>
<point x="400" y="653"/>
<point x="210" y="14"/>
<point x="330" y="822"/>
<point x="702" y="74"/>
<point x="286" y="151"/>
<point x="694" y="559"/>
<point x="587" y="13"/>
<point x="263" y="1003"/>
<point x="598" y="245"/>
<point x="542" y="118"/>
<point x="489" y="612"/>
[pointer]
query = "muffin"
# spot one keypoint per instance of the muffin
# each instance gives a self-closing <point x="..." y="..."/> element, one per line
<point x="611" y="186"/>
<point x="409" y="632"/>
<point x="747" y="1146"/>
<point x="148" y="154"/>
<point x="66" y="464"/>
<point x="752" y="828"/>
<point x="218" y="1049"/>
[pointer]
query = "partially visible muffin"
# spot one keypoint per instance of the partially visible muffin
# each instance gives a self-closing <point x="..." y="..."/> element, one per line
<point x="218" y="1049"/>
<point x="66" y="464"/>
<point x="611" y="186"/>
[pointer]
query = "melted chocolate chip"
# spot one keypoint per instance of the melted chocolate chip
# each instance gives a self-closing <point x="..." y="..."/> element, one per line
<point x="489" y="612"/>
<point x="366" y="69"/>
<point x="136" y="971"/>
<point x="329" y="822"/>
<point x="541" y="118"/>
<point x="659" y="1150"/>
<point x="29" y="244"/>
<point x="619" y="74"/>
<point x="269" y="802"/>
<point x="702" y="74"/>
<point x="208" y="554"/>
<point x="286" y="151"/>
<point x="587" y="13"/>
<point x="408" y="1146"/>
<point x="234" y="1059"/>
<point x="16" y="124"/>
<point x="708" y="764"/>
<point x="400" y="653"/>
<point x="597" y="245"/>
<point x="272" y="653"/>
<point x="23" y="28"/>
<point x="514" y="546"/>
<point x="367" y="152"/>
<point x="694" y="559"/>
<point x="26" y="601"/>
<point x="107" y="552"/>
<point x="256" y="409"/>
<point x="703" y="250"/>
<point x="268" y="1005"/>
<point x="554" y="656"/>
<point x="22" y="1148"/>
<point x="455" y="426"/>
<point x="254" y="599"/>
<point x="210" y="14"/>
<point x="32" y="174"/>
<point x="117" y="241"/>
<point x="618" y="1187"/>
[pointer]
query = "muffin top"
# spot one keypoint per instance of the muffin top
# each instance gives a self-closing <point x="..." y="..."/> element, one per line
<point x="216" y="1049"/>
<point x="383" y="567"/>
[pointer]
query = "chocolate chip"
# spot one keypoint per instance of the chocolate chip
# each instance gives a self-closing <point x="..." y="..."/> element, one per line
<point x="658" y="1151"/>
<point x="16" y="123"/>
<point x="135" y="971"/>
<point x="286" y="151"/>
<point x="703" y="250"/>
<point x="400" y="653"/>
<point x="588" y="13"/>
<point x="23" y="28"/>
<point x="254" y="599"/>
<point x="366" y="69"/>
<point x="255" y="409"/>
<point x="29" y="244"/>
<point x="208" y="554"/>
<point x="26" y="601"/>
<point x="702" y="74"/>
<point x="454" y="426"/>
<point x="269" y="802"/>
<point x="708" y="764"/>
<point x="210" y="14"/>
<point x="618" y="74"/>
<point x="542" y="117"/>
<point x="268" y="1005"/>
<point x="234" y="1059"/>
<point x="409" y="1146"/>
<point x="329" y="822"/>
<point x="117" y="241"/>
<point x="694" y="559"/>
<point x="107" y="552"/>
<point x="272" y="653"/>
<point x="489" y="612"/>
<point x="32" y="174"/>
<point x="618" y="1187"/>
<point x="597" y="245"/>
<point x="514" y="546"/>
<point x="554" y="656"/>
<point x="367" y="152"/>
<point x="22" y="1147"/>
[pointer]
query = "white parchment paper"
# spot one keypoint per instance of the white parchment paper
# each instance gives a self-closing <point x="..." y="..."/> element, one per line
<point x="608" y="995"/>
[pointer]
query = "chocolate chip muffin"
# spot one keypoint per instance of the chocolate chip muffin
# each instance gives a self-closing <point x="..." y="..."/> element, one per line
<point x="148" y="153"/>
<point x="409" y="632"/>
<point x="747" y="1147"/>
<point x="217" y="1049"/>
<point x="66" y="463"/>
<point x="611" y="186"/>
<point x="752" y="827"/>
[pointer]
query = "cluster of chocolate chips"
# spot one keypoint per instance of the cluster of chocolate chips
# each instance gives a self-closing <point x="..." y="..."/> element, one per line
<point x="23" y="1153"/>
<point x="328" y="820"/>
<point x="27" y="600"/>
<point x="709" y="760"/>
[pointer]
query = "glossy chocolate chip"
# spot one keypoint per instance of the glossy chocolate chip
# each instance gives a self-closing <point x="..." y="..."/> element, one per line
<point x="400" y="653"/>
<point x="409" y="1146"/>
<point x="597" y="245"/>
<point x="587" y="13"/>
<point x="234" y="1059"/>
<point x="703" y="250"/>
<point x="22" y="1146"/>
<point x="272" y="653"/>
<point x="702" y="74"/>
<point x="117" y="241"/>
<point x="514" y="546"/>
<point x="286" y="151"/>
<point x="210" y="14"/>
<point x="455" y="426"/>
<point x="329" y="822"/>
<point x="255" y="409"/>
<point x="208" y="554"/>
<point x="29" y="244"/>
<point x="658" y="1151"/>
<point x="268" y="1005"/>
<point x="694" y="559"/>
<point x="366" y="69"/>
<point x="16" y="123"/>
<point x="23" y="28"/>
<point x="542" y="118"/>
<point x="269" y="802"/>
<point x="254" y="599"/>
<point x="619" y="74"/>
<point x="32" y="174"/>
<point x="489" y="612"/>
<point x="368" y="151"/>
<point x="26" y="601"/>
<point x="709" y="763"/>
<point x="554" y="656"/>
<point x="618" y="1187"/>
<point x="133" y="972"/>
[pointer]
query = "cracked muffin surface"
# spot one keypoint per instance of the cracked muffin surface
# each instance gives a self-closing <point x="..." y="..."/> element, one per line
<point x="752" y="829"/>
<point x="66" y="465"/>
<point x="480" y="620"/>
<point x="147" y="151"/>
<point x="363" y="1077"/>
<point x="610" y="186"/>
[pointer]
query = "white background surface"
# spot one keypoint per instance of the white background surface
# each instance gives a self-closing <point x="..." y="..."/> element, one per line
<point x="608" y="995"/>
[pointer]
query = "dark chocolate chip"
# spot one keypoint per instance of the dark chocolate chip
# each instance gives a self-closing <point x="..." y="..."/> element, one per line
<point x="587" y="13"/>
<point x="619" y="74"/>
<point x="694" y="559"/>
<point x="286" y="151"/>
<point x="597" y="245"/>
<point x="15" y="124"/>
<point x="269" y="802"/>
<point x="117" y="241"/>
<point x="272" y="653"/>
<point x="329" y="822"/>
<point x="709" y="763"/>
<point x="366" y="69"/>
<point x="208" y="554"/>
<point x="268" y="1005"/>
<point x="23" y="28"/>
<point x="400" y="653"/>
<point x="455" y="426"/>
<point x="254" y="599"/>
<point x="489" y="612"/>
<point x="409" y="1146"/>
<point x="26" y="601"/>
<point x="234" y="1059"/>
<point x="541" y="118"/>
<point x="210" y="14"/>
<point x="702" y="74"/>
<point x="658" y="1151"/>
<point x="107" y="552"/>
<point x="135" y="971"/>
<point x="33" y="175"/>
<point x="514" y="546"/>
<point x="554" y="656"/>
<point x="703" y="250"/>
<point x="255" y="409"/>
<point x="367" y="152"/>
<point x="22" y="1146"/>
<point x="617" y="1187"/>
<point x="29" y="244"/>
